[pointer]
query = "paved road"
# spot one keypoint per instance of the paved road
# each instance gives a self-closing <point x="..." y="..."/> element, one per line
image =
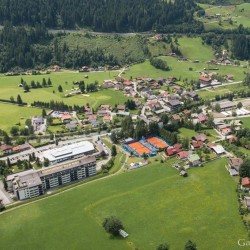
<point x="4" y="196"/>
<point x="217" y="86"/>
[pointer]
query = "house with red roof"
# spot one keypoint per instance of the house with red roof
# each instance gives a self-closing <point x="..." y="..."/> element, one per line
<point x="200" y="137"/>
<point x="66" y="118"/>
<point x="92" y="118"/>
<point x="196" y="144"/>
<point x="226" y="131"/>
<point x="183" y="155"/>
<point x="245" y="183"/>
<point x="107" y="119"/>
<point x="172" y="150"/>
<point x="202" y="118"/>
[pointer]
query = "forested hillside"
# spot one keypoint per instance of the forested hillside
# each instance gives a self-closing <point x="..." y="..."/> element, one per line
<point x="102" y="15"/>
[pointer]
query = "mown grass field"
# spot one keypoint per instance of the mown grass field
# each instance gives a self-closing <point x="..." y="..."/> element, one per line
<point x="193" y="49"/>
<point x="210" y="94"/>
<point x="11" y="115"/>
<point x="246" y="122"/>
<point x="240" y="14"/>
<point x="9" y="87"/>
<point x="154" y="203"/>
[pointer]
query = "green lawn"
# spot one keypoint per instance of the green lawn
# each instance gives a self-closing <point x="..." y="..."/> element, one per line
<point x="11" y="115"/>
<point x="246" y="122"/>
<point x="9" y="87"/>
<point x="210" y="94"/>
<point x="154" y="203"/>
<point x="181" y="70"/>
<point x="240" y="14"/>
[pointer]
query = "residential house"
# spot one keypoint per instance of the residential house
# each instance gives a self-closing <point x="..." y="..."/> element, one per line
<point x="92" y="118"/>
<point x="202" y="118"/>
<point x="194" y="160"/>
<point x="176" y="118"/>
<point x="102" y="113"/>
<point x="172" y="150"/>
<point x="191" y="95"/>
<point x="105" y="107"/>
<point x="173" y="102"/>
<point x="200" y="137"/>
<point x="205" y="80"/>
<point x="183" y="155"/>
<point x="107" y="119"/>
<point x="196" y="144"/>
<point x="235" y="163"/>
<point x="245" y="183"/>
<point x="121" y="107"/>
<point x="66" y="118"/>
<point x="87" y="110"/>
<point x="226" y="131"/>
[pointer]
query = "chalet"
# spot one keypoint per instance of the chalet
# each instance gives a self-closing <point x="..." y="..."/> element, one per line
<point x="92" y="118"/>
<point x="37" y="121"/>
<point x="105" y="107"/>
<point x="172" y="150"/>
<point x="226" y="131"/>
<point x="106" y="119"/>
<point x="200" y="137"/>
<point x="84" y="68"/>
<point x="202" y="118"/>
<point x="245" y="183"/>
<point x="154" y="105"/>
<point x="211" y="145"/>
<point x="191" y="95"/>
<point x="232" y="139"/>
<point x="194" y="160"/>
<point x="183" y="155"/>
<point x="176" y="118"/>
<point x="102" y="113"/>
<point x="88" y="111"/>
<point x="66" y="118"/>
<point x="119" y="79"/>
<point x="205" y="80"/>
<point x="196" y="144"/>
<point x="128" y="83"/>
<point x="6" y="149"/>
<point x="121" y="107"/>
<point x="173" y="103"/>
<point x="235" y="163"/>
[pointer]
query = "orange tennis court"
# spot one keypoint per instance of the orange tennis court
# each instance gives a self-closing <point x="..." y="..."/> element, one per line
<point x="157" y="142"/>
<point x="139" y="148"/>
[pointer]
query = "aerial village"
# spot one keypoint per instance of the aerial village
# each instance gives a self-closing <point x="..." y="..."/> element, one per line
<point x="178" y="124"/>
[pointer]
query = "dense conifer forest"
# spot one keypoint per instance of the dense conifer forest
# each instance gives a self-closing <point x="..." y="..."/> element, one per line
<point x="100" y="15"/>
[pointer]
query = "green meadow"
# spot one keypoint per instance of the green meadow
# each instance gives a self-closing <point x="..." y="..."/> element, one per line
<point x="239" y="14"/>
<point x="11" y="115"/>
<point x="9" y="87"/>
<point x="154" y="203"/>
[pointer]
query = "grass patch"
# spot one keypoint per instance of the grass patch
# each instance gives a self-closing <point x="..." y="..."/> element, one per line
<point x="147" y="202"/>
<point x="11" y="115"/>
